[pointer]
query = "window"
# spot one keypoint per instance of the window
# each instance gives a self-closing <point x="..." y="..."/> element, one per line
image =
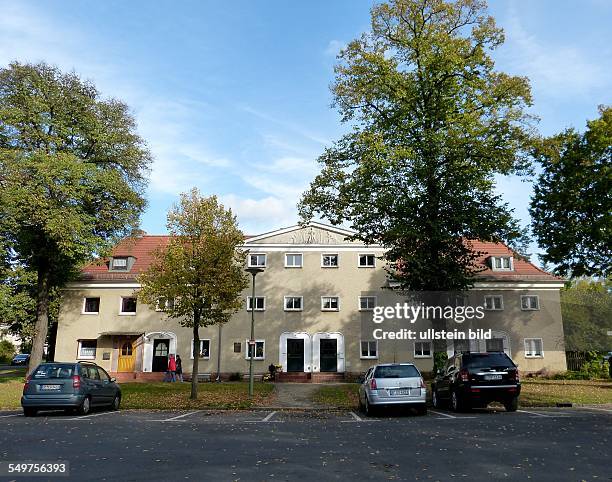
<point x="237" y="347"/>
<point x="460" y="300"/>
<point x="367" y="303"/>
<point x="495" y="345"/>
<point x="330" y="303"/>
<point x="259" y="350"/>
<point x="369" y="349"/>
<point x="204" y="350"/>
<point x="461" y="346"/>
<point x="87" y="349"/>
<point x="126" y="349"/>
<point x="494" y="302"/>
<point x="530" y="302"/>
<point x="260" y="303"/>
<point x="422" y="349"/>
<point x="164" y="304"/>
<point x="120" y="264"/>
<point x="367" y="261"/>
<point x="329" y="261"/>
<point x="128" y="305"/>
<point x="257" y="260"/>
<point x="533" y="348"/>
<point x="501" y="263"/>
<point x="293" y="303"/>
<point x="91" y="306"/>
<point x="293" y="260"/>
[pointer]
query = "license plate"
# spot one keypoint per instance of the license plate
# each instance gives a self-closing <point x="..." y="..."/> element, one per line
<point x="493" y="377"/>
<point x="49" y="387"/>
<point x="402" y="391"/>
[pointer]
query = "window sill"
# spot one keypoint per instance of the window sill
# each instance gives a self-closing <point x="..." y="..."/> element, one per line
<point x="534" y="356"/>
<point x="330" y="309"/>
<point x="128" y="314"/>
<point x="494" y="309"/>
<point x="530" y="309"/>
<point x="201" y="358"/>
<point x="255" y="359"/>
<point x="292" y="310"/>
<point x="293" y="267"/>
<point x="90" y="312"/>
<point x="366" y="309"/>
<point x="252" y="266"/>
<point x="330" y="267"/>
<point x="86" y="358"/>
<point x="368" y="357"/>
<point x="366" y="266"/>
<point x="423" y="356"/>
<point x="256" y="310"/>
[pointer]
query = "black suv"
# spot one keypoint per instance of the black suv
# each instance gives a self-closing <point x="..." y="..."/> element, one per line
<point x="473" y="380"/>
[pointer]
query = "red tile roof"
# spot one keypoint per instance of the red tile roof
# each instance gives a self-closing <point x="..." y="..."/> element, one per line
<point x="142" y="248"/>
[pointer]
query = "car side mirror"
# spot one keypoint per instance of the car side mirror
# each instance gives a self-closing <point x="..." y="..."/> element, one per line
<point x="113" y="379"/>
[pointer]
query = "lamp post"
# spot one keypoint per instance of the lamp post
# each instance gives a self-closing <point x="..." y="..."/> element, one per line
<point x="253" y="272"/>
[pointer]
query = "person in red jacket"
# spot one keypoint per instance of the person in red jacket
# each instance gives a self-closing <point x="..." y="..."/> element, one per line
<point x="171" y="368"/>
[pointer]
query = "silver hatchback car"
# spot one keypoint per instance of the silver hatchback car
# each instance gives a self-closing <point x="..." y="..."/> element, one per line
<point x="393" y="384"/>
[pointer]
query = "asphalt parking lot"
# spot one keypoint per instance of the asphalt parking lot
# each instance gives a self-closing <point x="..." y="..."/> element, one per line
<point x="534" y="444"/>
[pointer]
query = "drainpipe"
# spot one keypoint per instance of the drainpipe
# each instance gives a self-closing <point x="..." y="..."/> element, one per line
<point x="219" y="353"/>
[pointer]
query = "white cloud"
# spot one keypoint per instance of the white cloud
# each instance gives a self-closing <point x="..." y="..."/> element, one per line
<point x="259" y="215"/>
<point x="334" y="47"/>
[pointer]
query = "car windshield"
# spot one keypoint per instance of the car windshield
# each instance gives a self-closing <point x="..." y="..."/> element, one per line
<point x="487" y="360"/>
<point x="396" y="371"/>
<point x="54" y="371"/>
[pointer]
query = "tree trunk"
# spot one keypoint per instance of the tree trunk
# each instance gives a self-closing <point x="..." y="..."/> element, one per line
<point x="42" y="317"/>
<point x="196" y="356"/>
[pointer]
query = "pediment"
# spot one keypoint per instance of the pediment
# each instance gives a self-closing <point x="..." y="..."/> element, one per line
<point x="311" y="234"/>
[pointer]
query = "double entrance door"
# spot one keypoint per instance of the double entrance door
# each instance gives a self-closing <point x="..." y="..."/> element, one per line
<point x="328" y="350"/>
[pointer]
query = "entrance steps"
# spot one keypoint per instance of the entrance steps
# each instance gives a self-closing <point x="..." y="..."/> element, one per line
<point x="299" y="377"/>
<point x="143" y="377"/>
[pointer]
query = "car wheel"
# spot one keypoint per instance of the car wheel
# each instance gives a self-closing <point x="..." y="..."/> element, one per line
<point x="29" y="412"/>
<point x="435" y="401"/>
<point x="360" y="404"/>
<point x="456" y="402"/>
<point x="85" y="406"/>
<point x="116" y="402"/>
<point x="369" y="409"/>
<point x="511" y="405"/>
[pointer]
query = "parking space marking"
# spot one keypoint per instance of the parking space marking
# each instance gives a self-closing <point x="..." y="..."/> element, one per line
<point x="358" y="419"/>
<point x="598" y="409"/>
<point x="443" y="414"/>
<point x="12" y="415"/>
<point x="536" y="413"/>
<point x="90" y="416"/>
<point x="266" y="419"/>
<point x="178" y="417"/>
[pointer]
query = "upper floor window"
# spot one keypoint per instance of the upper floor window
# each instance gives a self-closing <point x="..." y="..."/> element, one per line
<point x="260" y="303"/>
<point x="330" y="303"/>
<point x="367" y="303"/>
<point x="422" y="349"/>
<point x="494" y="302"/>
<point x="257" y="260"/>
<point x="293" y="303"/>
<point x="530" y="302"/>
<point x="91" y="306"/>
<point x="293" y="260"/>
<point x="329" y="261"/>
<point x="367" y="261"/>
<point x="502" y="263"/>
<point x="128" y="305"/>
<point x="119" y="264"/>
<point x="164" y="304"/>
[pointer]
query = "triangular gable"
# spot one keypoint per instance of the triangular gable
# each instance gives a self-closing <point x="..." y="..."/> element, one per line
<point x="311" y="233"/>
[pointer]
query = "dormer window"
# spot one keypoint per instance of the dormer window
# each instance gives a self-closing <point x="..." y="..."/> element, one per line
<point x="119" y="264"/>
<point x="502" y="263"/>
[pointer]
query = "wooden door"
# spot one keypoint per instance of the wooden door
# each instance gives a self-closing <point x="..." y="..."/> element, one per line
<point x="127" y="356"/>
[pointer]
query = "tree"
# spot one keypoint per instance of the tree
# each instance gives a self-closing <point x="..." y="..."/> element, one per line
<point x="571" y="206"/>
<point x="586" y="306"/>
<point x="432" y="124"/>
<point x="201" y="270"/>
<point x="72" y="172"/>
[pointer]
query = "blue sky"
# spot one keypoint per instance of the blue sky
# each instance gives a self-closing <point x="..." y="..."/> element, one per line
<point x="233" y="97"/>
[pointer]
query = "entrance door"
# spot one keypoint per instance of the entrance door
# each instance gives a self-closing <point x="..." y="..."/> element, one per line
<point x="295" y="355"/>
<point x="329" y="355"/>
<point x="127" y="356"/>
<point x="160" y="355"/>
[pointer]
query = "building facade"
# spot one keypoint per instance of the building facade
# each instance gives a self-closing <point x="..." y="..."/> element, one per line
<point x="314" y="312"/>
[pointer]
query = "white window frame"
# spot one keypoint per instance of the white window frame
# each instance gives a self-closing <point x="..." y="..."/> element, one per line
<point x="86" y="357"/>
<point x="157" y="307"/>
<point x="201" y="342"/>
<point x="495" y="258"/>
<point x="323" y="255"/>
<point x="301" y="265"/>
<point x="301" y="308"/>
<point x="246" y="352"/>
<point x="369" y="356"/>
<point x="359" y="255"/>
<point x="120" y="268"/>
<point x="126" y="313"/>
<point x="501" y="308"/>
<point x="537" y="298"/>
<point x="428" y="342"/>
<point x="330" y="297"/>
<point x="83" y="312"/>
<point x="359" y="298"/>
<point x="248" y="299"/>
<point x="257" y="265"/>
<point x="525" y="343"/>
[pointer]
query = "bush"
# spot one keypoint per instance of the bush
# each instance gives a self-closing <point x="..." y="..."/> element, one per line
<point x="7" y="351"/>
<point x="235" y="377"/>
<point x="440" y="358"/>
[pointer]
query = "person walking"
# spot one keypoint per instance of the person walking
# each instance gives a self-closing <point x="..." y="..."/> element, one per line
<point x="179" y="368"/>
<point x="172" y="368"/>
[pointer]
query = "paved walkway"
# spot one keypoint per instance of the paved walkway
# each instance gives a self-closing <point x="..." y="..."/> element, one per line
<point x="297" y="395"/>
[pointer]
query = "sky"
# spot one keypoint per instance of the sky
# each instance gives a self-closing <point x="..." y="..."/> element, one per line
<point x="233" y="97"/>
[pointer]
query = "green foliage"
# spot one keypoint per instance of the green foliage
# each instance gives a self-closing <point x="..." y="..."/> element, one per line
<point x="7" y="351"/>
<point x="572" y="203"/>
<point x="586" y="308"/>
<point x="433" y="123"/>
<point x="440" y="359"/>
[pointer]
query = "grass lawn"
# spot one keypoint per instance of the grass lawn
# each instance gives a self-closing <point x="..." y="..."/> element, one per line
<point x="534" y="393"/>
<point x="164" y="396"/>
<point x="13" y="372"/>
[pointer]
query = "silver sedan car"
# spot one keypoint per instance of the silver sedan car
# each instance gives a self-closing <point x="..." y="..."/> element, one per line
<point x="393" y="384"/>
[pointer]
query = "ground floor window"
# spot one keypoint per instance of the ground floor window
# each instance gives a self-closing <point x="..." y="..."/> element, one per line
<point x="533" y="348"/>
<point x="204" y="350"/>
<point x="369" y="349"/>
<point x="259" y="348"/>
<point x="87" y="349"/>
<point x="495" y="344"/>
<point x="422" y="349"/>
<point x="237" y="347"/>
<point x="461" y="346"/>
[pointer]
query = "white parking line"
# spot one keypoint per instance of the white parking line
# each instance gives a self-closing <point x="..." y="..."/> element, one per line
<point x="598" y="409"/>
<point x="12" y="415"/>
<point x="357" y="419"/>
<point x="536" y="413"/>
<point x="177" y="418"/>
<point x="90" y="416"/>
<point x="266" y="419"/>
<point x="443" y="414"/>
